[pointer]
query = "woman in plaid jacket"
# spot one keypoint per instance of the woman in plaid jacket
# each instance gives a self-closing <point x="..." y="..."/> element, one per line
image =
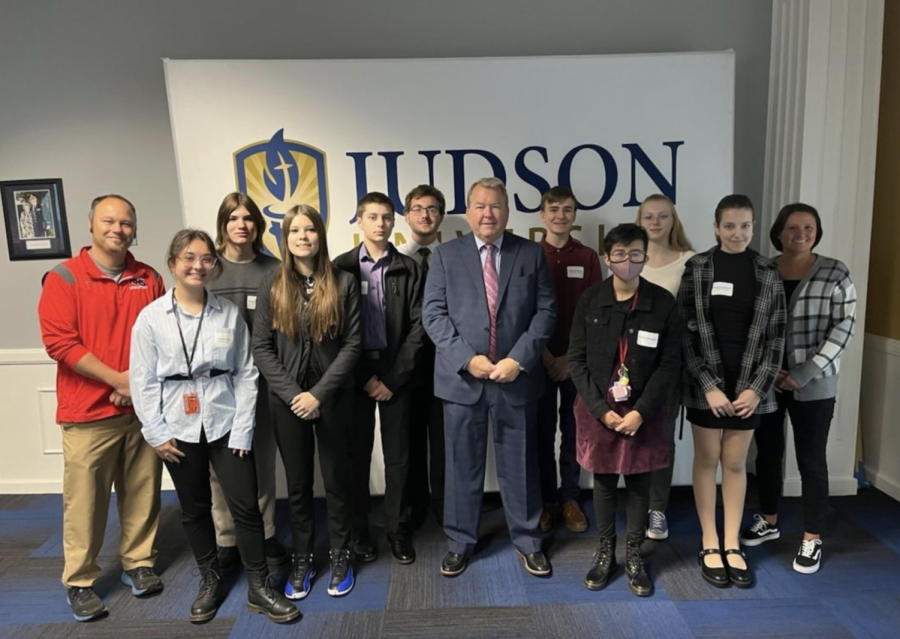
<point x="821" y="318"/>
<point x="732" y="302"/>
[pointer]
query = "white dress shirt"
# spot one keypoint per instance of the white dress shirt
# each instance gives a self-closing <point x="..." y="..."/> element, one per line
<point x="411" y="249"/>
<point x="227" y="402"/>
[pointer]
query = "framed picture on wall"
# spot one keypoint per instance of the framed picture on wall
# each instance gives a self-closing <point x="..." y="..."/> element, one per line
<point x="35" y="215"/>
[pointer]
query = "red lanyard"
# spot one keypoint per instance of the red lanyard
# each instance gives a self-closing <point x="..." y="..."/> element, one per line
<point x="623" y="341"/>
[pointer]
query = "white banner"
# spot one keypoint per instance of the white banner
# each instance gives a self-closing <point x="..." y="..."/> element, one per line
<point x="613" y="128"/>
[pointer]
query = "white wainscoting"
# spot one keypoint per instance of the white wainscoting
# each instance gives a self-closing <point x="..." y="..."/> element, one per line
<point x="879" y="412"/>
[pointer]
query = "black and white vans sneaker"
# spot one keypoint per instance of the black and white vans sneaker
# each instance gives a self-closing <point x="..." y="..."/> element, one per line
<point x="760" y="531"/>
<point x="809" y="557"/>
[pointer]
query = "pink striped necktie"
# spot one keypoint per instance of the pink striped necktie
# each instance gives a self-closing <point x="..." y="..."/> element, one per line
<point x="491" y="287"/>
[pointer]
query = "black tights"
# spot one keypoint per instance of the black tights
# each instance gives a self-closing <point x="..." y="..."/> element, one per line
<point x="637" y="488"/>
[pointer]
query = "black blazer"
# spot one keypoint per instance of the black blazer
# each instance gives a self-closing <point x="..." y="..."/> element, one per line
<point x="403" y="287"/>
<point x="283" y="361"/>
<point x="594" y="346"/>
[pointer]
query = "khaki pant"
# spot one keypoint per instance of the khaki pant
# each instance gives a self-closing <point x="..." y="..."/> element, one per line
<point x="264" y="451"/>
<point x="99" y="455"/>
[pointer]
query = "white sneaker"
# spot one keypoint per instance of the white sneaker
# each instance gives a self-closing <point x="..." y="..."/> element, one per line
<point x="657" y="526"/>
<point x="809" y="557"/>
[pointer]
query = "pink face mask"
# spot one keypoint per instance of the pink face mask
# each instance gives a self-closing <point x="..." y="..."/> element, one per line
<point x="626" y="271"/>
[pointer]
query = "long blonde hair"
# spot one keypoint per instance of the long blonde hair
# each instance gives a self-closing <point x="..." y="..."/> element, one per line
<point x="677" y="238"/>
<point x="323" y="316"/>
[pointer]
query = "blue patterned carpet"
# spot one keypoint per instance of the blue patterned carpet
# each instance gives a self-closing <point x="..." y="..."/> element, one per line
<point x="856" y="594"/>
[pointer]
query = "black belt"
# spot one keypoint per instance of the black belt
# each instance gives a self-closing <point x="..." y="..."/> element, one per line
<point x="213" y="372"/>
<point x="373" y="354"/>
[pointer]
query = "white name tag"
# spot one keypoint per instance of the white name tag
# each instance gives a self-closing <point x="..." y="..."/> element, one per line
<point x="251" y="302"/>
<point x="648" y="339"/>
<point x="575" y="272"/>
<point x="364" y="287"/>
<point x="223" y="339"/>
<point x="723" y="288"/>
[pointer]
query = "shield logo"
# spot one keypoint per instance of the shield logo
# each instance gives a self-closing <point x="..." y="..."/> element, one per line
<point x="278" y="174"/>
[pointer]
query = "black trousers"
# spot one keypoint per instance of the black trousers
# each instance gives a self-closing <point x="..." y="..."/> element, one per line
<point x="426" y="450"/>
<point x="395" y="416"/>
<point x="237" y="476"/>
<point x="637" y="489"/>
<point x="297" y="440"/>
<point x="810" y="422"/>
<point x="556" y="404"/>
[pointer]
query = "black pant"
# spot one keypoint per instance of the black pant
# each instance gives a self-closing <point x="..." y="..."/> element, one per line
<point x="810" y="422"/>
<point x="297" y="440"/>
<point x="637" y="489"/>
<point x="395" y="415"/>
<point x="237" y="477"/>
<point x="556" y="404"/>
<point x="426" y="450"/>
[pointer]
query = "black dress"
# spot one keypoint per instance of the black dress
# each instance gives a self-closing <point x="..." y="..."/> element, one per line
<point x="731" y="317"/>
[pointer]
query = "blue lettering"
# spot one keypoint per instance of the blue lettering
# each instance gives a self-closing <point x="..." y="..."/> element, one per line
<point x="530" y="177"/>
<point x="390" y="165"/>
<point x="459" y="174"/>
<point x="665" y="187"/>
<point x="609" y="167"/>
<point x="430" y="155"/>
<point x="362" y="183"/>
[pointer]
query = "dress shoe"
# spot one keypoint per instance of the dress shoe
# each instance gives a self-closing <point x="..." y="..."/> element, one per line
<point x="401" y="546"/>
<point x="363" y="548"/>
<point x="546" y="522"/>
<point x="536" y="563"/>
<point x="603" y="564"/>
<point x="638" y="580"/>
<point x="740" y="577"/>
<point x="454" y="564"/>
<point x="573" y="517"/>
<point x="718" y="577"/>
<point x="209" y="595"/>
<point x="261" y="597"/>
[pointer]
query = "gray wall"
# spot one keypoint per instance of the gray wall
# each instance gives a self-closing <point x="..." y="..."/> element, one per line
<point x="82" y="91"/>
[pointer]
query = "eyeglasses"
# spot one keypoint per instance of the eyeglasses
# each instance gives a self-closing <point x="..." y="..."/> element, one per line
<point x="419" y="209"/>
<point x="207" y="261"/>
<point x="636" y="257"/>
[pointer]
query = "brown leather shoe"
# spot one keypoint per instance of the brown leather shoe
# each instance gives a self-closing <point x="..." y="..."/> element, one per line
<point x="546" y="519"/>
<point x="574" y="518"/>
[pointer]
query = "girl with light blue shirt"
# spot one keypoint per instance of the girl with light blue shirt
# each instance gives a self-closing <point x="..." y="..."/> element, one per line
<point x="194" y="389"/>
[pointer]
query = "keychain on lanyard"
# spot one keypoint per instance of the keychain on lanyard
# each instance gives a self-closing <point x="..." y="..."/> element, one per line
<point x="191" y="398"/>
<point x="621" y="389"/>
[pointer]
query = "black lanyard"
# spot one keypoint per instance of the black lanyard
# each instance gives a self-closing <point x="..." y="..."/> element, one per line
<point x="189" y="359"/>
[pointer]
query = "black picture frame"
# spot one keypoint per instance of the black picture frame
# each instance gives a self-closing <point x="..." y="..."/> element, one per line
<point x="34" y="212"/>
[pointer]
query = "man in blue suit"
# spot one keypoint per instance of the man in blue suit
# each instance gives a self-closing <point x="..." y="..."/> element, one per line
<point x="490" y="310"/>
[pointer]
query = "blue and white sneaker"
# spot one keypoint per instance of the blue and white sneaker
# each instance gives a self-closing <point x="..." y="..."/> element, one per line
<point x="342" y="580"/>
<point x="657" y="526"/>
<point x="143" y="581"/>
<point x="300" y="582"/>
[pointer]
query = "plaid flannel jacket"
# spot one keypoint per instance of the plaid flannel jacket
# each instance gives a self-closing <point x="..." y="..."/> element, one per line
<point x="822" y="318"/>
<point x="765" y="343"/>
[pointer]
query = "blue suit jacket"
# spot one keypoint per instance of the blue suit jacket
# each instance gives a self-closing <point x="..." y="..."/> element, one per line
<point x="455" y="315"/>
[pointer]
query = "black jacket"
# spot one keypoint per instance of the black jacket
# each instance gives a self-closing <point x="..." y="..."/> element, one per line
<point x="594" y="346"/>
<point x="283" y="361"/>
<point x="403" y="287"/>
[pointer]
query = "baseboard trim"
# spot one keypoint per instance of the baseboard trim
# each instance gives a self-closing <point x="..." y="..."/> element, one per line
<point x="24" y="356"/>
<point x="882" y="344"/>
<point x="837" y="487"/>
<point x="52" y="486"/>
<point x="885" y="485"/>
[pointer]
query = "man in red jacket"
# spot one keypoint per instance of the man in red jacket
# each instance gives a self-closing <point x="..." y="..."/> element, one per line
<point x="87" y="309"/>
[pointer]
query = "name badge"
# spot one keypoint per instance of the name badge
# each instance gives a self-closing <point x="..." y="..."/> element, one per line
<point x="723" y="288"/>
<point x="648" y="339"/>
<point x="191" y="403"/>
<point x="575" y="272"/>
<point x="251" y="302"/>
<point x="364" y="287"/>
<point x="223" y="339"/>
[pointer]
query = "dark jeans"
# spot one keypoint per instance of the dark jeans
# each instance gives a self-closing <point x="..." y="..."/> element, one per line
<point x="556" y="405"/>
<point x="661" y="480"/>
<point x="395" y="448"/>
<point x="237" y="476"/>
<point x="810" y="422"/>
<point x="297" y="440"/>
<point x="426" y="450"/>
<point x="637" y="489"/>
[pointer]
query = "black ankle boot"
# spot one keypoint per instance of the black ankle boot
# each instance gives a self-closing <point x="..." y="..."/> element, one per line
<point x="262" y="598"/>
<point x="638" y="580"/>
<point x="603" y="564"/>
<point x="206" y="605"/>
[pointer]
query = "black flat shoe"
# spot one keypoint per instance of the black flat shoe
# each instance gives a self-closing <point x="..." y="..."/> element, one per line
<point x="740" y="577"/>
<point x="718" y="577"/>
<point x="363" y="548"/>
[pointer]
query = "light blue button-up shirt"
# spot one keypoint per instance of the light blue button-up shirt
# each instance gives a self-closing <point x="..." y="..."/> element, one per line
<point x="482" y="251"/>
<point x="227" y="402"/>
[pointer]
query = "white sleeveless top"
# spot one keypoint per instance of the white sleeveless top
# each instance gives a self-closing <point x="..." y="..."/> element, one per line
<point x="668" y="276"/>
